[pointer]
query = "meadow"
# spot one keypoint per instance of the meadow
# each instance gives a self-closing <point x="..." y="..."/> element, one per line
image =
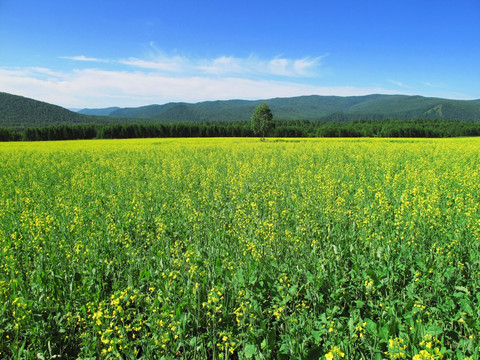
<point x="239" y="249"/>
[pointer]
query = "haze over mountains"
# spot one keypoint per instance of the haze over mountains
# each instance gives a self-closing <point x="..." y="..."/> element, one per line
<point x="18" y="111"/>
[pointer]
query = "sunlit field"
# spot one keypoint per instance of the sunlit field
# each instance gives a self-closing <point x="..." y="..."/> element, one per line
<point x="239" y="249"/>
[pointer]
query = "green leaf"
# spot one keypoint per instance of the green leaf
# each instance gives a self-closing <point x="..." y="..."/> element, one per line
<point x="433" y="330"/>
<point x="371" y="326"/>
<point x="317" y="335"/>
<point x="462" y="289"/>
<point x="249" y="351"/>
<point x="264" y="344"/>
<point x="285" y="348"/>
<point x="351" y="326"/>
<point x="193" y="341"/>
<point x="359" y="304"/>
<point x="240" y="278"/>
<point x="383" y="333"/>
<point x="465" y="305"/>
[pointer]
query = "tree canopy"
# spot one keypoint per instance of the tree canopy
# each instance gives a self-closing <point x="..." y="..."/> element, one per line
<point x="262" y="121"/>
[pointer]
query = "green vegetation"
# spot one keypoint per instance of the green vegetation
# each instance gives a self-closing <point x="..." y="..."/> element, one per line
<point x="324" y="108"/>
<point x="363" y="128"/>
<point x="262" y="121"/>
<point x="19" y="112"/>
<point x="27" y="119"/>
<point x="236" y="249"/>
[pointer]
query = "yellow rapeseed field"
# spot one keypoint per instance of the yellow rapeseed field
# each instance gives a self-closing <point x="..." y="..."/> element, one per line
<point x="236" y="248"/>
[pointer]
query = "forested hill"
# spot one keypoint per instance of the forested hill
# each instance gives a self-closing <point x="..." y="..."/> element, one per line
<point x="327" y="108"/>
<point x="20" y="112"/>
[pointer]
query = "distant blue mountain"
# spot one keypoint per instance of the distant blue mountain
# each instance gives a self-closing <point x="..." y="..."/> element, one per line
<point x="98" y="112"/>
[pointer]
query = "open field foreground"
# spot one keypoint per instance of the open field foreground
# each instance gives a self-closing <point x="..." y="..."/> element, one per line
<point x="234" y="248"/>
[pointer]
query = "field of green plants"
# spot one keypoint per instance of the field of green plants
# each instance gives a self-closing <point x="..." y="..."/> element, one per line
<point x="239" y="249"/>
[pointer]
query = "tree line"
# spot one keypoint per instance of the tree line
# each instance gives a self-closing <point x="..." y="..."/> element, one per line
<point x="287" y="128"/>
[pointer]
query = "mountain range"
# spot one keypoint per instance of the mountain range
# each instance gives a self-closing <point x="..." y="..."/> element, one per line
<point x="312" y="107"/>
<point x="18" y="111"/>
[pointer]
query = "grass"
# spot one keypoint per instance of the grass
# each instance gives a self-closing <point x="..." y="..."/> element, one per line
<point x="233" y="248"/>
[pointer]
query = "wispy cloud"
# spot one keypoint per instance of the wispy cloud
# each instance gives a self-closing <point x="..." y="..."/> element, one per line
<point x="398" y="83"/>
<point x="433" y="85"/>
<point x="230" y="65"/>
<point x="175" y="64"/>
<point x="102" y="88"/>
<point x="226" y="65"/>
<point x="83" y="58"/>
<point x="305" y="67"/>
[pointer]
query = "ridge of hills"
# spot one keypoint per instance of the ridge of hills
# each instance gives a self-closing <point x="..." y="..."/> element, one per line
<point x="313" y="107"/>
<point x="19" y="112"/>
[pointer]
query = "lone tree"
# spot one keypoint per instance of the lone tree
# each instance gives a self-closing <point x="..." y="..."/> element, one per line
<point x="262" y="121"/>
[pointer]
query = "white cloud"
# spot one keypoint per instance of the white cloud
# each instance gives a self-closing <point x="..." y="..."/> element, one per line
<point x="173" y="64"/>
<point x="103" y="88"/>
<point x="398" y="83"/>
<point x="278" y="66"/>
<point x="224" y="65"/>
<point x="306" y="67"/>
<point x="83" y="58"/>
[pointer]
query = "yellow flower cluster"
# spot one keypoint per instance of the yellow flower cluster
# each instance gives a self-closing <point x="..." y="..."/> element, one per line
<point x="359" y="329"/>
<point x="396" y="348"/>
<point x="431" y="350"/>
<point x="334" y="353"/>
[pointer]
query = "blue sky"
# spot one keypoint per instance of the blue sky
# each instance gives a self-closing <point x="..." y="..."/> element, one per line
<point x="131" y="53"/>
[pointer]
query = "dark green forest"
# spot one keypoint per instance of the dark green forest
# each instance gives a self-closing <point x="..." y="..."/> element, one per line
<point x="293" y="128"/>
<point x="321" y="116"/>
<point x="18" y="112"/>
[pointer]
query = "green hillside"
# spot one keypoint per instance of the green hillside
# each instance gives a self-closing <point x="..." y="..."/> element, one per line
<point x="19" y="112"/>
<point x="302" y="107"/>
<point x="412" y="107"/>
<point x="314" y="108"/>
